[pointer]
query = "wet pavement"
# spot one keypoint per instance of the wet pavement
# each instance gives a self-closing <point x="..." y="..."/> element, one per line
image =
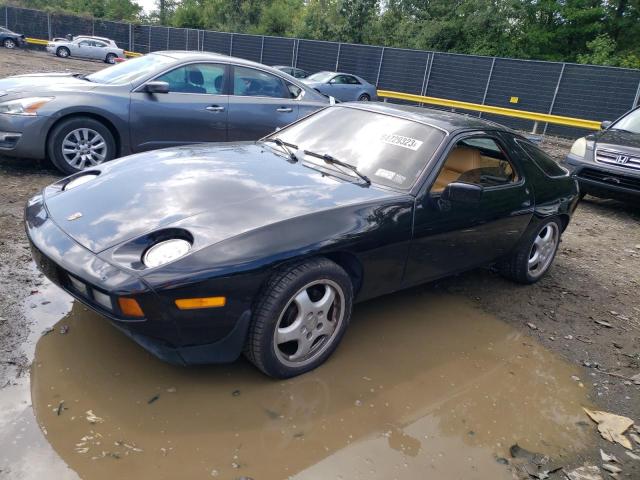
<point x="423" y="382"/>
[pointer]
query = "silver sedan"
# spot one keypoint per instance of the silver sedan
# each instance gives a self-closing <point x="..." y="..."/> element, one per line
<point x="345" y="87"/>
<point x="86" y="47"/>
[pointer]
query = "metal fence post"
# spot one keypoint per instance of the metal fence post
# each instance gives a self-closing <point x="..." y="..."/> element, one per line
<point x="186" y="39"/>
<point x="338" y="57"/>
<point x="486" y="88"/>
<point x="262" y="49"/>
<point x="553" y="100"/>
<point x="167" y="38"/>
<point x="49" y="26"/>
<point x="6" y="16"/>
<point x="149" y="48"/>
<point x="130" y="37"/>
<point x="427" y="74"/>
<point x="231" y="46"/>
<point x="637" y="97"/>
<point x="296" y="49"/>
<point x="293" y="53"/>
<point x="380" y="67"/>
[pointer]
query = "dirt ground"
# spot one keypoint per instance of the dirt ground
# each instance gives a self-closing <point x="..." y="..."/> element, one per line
<point x="587" y="308"/>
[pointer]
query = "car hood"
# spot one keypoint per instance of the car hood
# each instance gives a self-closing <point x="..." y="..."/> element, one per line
<point x="40" y="83"/>
<point x="215" y="191"/>
<point x="618" y="140"/>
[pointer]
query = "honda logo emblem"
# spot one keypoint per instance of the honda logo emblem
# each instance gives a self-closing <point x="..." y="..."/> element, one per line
<point x="622" y="159"/>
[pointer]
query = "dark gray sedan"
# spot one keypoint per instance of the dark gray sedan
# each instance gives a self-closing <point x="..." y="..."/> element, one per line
<point x="159" y="100"/>
<point x="342" y="86"/>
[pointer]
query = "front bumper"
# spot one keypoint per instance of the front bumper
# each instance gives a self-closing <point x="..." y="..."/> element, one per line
<point x="29" y="136"/>
<point x="603" y="180"/>
<point x="62" y="259"/>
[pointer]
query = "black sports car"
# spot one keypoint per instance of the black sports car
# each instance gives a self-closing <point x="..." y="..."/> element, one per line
<point x="607" y="163"/>
<point x="9" y="39"/>
<point x="203" y="252"/>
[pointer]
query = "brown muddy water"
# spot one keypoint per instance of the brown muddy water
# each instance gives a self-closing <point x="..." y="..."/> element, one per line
<point x="423" y="383"/>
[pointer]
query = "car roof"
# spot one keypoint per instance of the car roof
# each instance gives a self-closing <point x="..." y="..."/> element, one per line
<point x="448" y="121"/>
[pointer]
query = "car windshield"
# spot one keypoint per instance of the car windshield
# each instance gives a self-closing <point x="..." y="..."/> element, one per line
<point x="321" y="76"/>
<point x="391" y="151"/>
<point x="630" y="122"/>
<point x="130" y="71"/>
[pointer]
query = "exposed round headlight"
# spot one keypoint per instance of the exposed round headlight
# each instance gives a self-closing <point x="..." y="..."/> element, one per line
<point x="79" y="181"/>
<point x="165" y="252"/>
<point x="579" y="147"/>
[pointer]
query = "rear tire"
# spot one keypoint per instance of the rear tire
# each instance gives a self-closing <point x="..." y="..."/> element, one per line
<point x="535" y="254"/>
<point x="300" y="318"/>
<point x="111" y="58"/>
<point x="364" y="98"/>
<point x="94" y="142"/>
<point x="63" y="52"/>
<point x="9" y="43"/>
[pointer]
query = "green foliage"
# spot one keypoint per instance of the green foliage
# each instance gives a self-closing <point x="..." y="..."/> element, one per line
<point x="605" y="32"/>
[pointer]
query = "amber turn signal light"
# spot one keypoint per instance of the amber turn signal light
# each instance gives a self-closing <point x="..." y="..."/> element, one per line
<point x="130" y="307"/>
<point x="203" y="302"/>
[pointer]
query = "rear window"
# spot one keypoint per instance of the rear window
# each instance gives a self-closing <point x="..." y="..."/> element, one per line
<point x="544" y="162"/>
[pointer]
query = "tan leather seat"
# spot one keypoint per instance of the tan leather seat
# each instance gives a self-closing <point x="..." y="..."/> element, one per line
<point x="459" y="161"/>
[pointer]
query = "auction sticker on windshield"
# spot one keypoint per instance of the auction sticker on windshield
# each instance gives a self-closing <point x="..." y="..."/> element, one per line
<point x="401" y="141"/>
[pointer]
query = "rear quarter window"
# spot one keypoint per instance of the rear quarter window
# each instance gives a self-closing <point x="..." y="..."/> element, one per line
<point x="543" y="161"/>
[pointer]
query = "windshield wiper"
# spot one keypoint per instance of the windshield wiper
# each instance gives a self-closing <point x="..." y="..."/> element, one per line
<point x="334" y="161"/>
<point x="286" y="147"/>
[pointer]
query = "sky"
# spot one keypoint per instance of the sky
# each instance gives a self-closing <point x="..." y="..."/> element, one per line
<point x="147" y="5"/>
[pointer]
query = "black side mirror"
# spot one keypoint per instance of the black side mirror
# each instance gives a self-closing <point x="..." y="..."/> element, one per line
<point x="157" y="87"/>
<point x="462" y="193"/>
<point x="605" y="124"/>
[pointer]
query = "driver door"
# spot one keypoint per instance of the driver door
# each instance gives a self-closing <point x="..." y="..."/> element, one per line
<point x="194" y="111"/>
<point x="451" y="235"/>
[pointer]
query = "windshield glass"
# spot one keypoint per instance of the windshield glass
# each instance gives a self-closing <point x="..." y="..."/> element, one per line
<point x="631" y="122"/>
<point x="390" y="151"/>
<point x="321" y="76"/>
<point x="131" y="70"/>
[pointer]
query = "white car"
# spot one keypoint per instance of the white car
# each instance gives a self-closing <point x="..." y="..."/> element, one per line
<point x="97" y="48"/>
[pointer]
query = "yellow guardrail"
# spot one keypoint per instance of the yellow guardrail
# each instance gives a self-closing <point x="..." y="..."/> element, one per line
<point x="39" y="41"/>
<point x="507" y="112"/>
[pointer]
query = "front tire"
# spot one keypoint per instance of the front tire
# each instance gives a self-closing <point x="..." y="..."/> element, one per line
<point x="300" y="318"/>
<point x="364" y="98"/>
<point x="78" y="143"/>
<point x="111" y="58"/>
<point x="535" y="254"/>
<point x="63" y="52"/>
<point x="9" y="43"/>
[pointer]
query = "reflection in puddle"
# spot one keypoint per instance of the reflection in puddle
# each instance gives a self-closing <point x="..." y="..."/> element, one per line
<point x="421" y="383"/>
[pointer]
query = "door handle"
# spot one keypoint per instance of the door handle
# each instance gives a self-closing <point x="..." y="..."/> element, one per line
<point x="215" y="108"/>
<point x="284" y="109"/>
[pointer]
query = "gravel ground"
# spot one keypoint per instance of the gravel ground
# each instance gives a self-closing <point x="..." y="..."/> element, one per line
<point x="586" y="309"/>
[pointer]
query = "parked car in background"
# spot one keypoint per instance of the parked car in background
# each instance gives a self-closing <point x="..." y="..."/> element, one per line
<point x="154" y="101"/>
<point x="342" y="86"/>
<point x="607" y="163"/>
<point x="95" y="48"/>
<point x="293" y="71"/>
<point x="9" y="39"/>
<point x="200" y="253"/>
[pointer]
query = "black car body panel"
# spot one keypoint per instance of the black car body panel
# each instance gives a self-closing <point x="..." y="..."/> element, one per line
<point x="610" y="167"/>
<point x="248" y="210"/>
<point x="18" y="38"/>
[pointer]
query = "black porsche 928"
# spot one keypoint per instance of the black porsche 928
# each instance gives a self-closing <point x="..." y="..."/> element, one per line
<point x="203" y="252"/>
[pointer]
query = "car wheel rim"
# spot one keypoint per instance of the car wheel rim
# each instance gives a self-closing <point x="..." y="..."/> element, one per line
<point x="84" y="147"/>
<point x="9" y="44"/>
<point x="63" y="53"/>
<point x="111" y="59"/>
<point x="364" y="98"/>
<point x="543" y="249"/>
<point x="309" y="323"/>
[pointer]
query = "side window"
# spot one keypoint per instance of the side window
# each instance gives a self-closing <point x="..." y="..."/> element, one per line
<point x="547" y="164"/>
<point x="352" y="80"/>
<point x="250" y="82"/>
<point x="99" y="44"/>
<point x="339" y="79"/>
<point x="84" y="43"/>
<point x="206" y="78"/>
<point x="477" y="160"/>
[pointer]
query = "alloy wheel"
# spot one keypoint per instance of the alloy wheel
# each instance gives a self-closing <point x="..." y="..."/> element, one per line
<point x="543" y="249"/>
<point x="84" y="147"/>
<point x="309" y="323"/>
<point x="9" y="43"/>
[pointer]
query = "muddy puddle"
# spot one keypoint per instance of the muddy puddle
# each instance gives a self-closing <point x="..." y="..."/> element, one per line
<point x="422" y="383"/>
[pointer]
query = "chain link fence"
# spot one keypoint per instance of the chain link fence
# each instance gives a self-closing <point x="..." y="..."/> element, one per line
<point x="582" y="91"/>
